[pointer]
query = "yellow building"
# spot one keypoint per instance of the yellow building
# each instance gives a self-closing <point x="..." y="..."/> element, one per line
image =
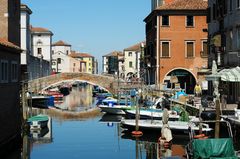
<point x="86" y="61"/>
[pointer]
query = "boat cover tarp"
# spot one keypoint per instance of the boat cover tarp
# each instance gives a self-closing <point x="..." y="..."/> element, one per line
<point x="213" y="148"/>
<point x="38" y="118"/>
<point x="229" y="75"/>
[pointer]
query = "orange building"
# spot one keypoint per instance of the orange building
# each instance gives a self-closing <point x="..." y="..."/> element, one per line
<point x="176" y="43"/>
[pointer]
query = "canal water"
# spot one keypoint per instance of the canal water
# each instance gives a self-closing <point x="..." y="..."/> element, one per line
<point x="99" y="137"/>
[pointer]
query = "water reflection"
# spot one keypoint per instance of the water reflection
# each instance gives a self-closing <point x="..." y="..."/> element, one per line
<point x="97" y="137"/>
<point x="148" y="145"/>
<point x="36" y="137"/>
<point x="79" y="99"/>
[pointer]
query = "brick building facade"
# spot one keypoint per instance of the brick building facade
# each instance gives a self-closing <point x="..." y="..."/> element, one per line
<point x="176" y="43"/>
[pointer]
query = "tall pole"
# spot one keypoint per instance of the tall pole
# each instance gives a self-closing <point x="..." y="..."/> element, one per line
<point x="217" y="102"/>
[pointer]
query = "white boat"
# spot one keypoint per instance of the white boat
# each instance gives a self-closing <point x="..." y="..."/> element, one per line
<point x="151" y="114"/>
<point x="116" y="109"/>
<point x="112" y="106"/>
<point x="156" y="125"/>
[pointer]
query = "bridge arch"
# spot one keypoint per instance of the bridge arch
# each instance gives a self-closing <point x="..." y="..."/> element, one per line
<point x="105" y="82"/>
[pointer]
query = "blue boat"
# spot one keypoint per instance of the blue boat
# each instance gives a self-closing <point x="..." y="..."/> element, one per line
<point x="113" y="106"/>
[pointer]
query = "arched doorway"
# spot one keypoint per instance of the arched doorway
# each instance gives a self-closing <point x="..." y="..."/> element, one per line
<point x="182" y="78"/>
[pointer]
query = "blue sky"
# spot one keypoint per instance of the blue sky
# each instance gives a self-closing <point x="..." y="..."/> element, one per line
<point x="97" y="27"/>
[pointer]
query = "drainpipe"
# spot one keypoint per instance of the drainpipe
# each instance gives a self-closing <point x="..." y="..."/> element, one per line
<point x="157" y="66"/>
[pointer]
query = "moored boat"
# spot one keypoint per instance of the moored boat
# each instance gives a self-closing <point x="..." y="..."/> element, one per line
<point x="207" y="146"/>
<point x="38" y="122"/>
<point x="156" y="125"/>
<point x="40" y="101"/>
<point x="113" y="106"/>
<point x="151" y="113"/>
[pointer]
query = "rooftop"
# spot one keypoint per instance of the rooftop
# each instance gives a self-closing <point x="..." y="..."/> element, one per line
<point x="185" y="5"/>
<point x="6" y="43"/>
<point x="60" y="43"/>
<point x="136" y="47"/>
<point x="75" y="54"/>
<point x="40" y="30"/>
<point x="114" y="53"/>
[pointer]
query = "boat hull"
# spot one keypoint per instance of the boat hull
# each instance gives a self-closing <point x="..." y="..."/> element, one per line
<point x="156" y="125"/>
<point x="150" y="114"/>
<point x="116" y="109"/>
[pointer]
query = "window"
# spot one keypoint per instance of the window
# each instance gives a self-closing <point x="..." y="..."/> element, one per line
<point x="189" y="49"/>
<point x="14" y="71"/>
<point x="238" y="37"/>
<point x="58" y="60"/>
<point x="130" y="64"/>
<point x="204" y="52"/>
<point x="238" y="3"/>
<point x="165" y="20"/>
<point x="190" y="21"/>
<point x="74" y="64"/>
<point x="165" y="49"/>
<point x="130" y="54"/>
<point x="39" y="51"/>
<point x="4" y="71"/>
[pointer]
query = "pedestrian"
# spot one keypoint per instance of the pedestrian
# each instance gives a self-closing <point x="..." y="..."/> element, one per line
<point x="197" y="90"/>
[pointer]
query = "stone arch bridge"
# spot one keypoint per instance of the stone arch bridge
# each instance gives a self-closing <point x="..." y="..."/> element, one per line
<point x="105" y="82"/>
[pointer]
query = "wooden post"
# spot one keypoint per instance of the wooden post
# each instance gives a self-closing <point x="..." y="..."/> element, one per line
<point x="24" y="107"/>
<point x="217" y="124"/>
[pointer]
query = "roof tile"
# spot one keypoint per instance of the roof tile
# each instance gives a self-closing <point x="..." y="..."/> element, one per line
<point x="60" y="43"/>
<point x="6" y="43"/>
<point x="75" y="54"/>
<point x="185" y="5"/>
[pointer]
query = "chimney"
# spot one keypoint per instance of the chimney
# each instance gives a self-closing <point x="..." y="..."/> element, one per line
<point x="10" y="21"/>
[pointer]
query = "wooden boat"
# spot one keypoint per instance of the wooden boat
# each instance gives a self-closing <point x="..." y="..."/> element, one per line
<point x="156" y="125"/>
<point x="38" y="122"/>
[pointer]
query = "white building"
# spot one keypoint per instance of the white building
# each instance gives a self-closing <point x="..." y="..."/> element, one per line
<point x="132" y="60"/>
<point x="32" y="67"/>
<point x="63" y="59"/>
<point x="105" y="64"/>
<point x="121" y="67"/>
<point x="42" y="43"/>
<point x="25" y="33"/>
<point x="60" y="58"/>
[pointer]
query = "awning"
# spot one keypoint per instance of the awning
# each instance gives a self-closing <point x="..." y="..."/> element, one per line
<point x="229" y="75"/>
